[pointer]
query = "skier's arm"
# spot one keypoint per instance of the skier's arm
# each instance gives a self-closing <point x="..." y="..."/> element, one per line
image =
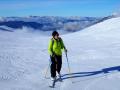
<point x="63" y="46"/>
<point x="50" y="47"/>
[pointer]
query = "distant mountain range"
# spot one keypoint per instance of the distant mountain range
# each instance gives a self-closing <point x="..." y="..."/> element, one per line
<point x="49" y="23"/>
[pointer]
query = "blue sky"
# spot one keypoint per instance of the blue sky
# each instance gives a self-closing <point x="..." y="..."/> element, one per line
<point x="58" y="7"/>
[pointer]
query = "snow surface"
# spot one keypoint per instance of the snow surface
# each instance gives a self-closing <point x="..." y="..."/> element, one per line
<point x="93" y="53"/>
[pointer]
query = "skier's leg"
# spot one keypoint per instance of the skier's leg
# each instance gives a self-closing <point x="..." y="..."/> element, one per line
<point x="53" y="67"/>
<point x="53" y="72"/>
<point x="59" y="64"/>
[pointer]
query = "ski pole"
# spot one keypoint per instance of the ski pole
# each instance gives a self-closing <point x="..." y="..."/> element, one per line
<point x="47" y="70"/>
<point x="68" y="65"/>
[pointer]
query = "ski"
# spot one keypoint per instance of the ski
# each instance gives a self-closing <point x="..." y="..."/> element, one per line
<point x="52" y="84"/>
<point x="54" y="81"/>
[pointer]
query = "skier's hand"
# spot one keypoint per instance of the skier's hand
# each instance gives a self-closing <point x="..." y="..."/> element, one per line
<point x="66" y="50"/>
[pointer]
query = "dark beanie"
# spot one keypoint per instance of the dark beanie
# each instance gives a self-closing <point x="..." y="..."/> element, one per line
<point x="55" y="33"/>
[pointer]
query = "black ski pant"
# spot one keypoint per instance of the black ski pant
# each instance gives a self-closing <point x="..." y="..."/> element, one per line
<point x="56" y="64"/>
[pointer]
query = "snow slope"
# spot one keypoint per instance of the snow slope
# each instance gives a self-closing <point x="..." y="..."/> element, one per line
<point x="93" y="55"/>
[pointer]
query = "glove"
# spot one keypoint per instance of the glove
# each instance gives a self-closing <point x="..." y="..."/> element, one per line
<point x="65" y="50"/>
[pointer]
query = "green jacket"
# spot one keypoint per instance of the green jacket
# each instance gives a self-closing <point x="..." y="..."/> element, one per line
<point x="56" y="46"/>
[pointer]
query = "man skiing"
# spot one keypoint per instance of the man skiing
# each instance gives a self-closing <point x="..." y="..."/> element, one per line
<point x="55" y="50"/>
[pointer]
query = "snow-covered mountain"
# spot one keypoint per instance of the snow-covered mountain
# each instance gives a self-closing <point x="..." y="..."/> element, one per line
<point x="93" y="53"/>
<point x="49" y="23"/>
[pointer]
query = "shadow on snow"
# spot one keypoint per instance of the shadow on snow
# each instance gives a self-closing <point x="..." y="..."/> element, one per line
<point x="85" y="74"/>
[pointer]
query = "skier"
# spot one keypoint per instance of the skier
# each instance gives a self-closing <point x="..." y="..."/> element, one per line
<point x="55" y="50"/>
